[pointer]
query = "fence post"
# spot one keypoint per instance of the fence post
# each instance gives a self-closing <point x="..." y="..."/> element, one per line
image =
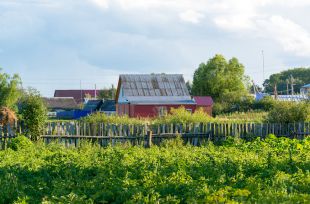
<point x="149" y="139"/>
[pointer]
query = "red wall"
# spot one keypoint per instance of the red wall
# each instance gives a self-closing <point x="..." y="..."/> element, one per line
<point x="152" y="110"/>
<point x="207" y="109"/>
<point x="147" y="110"/>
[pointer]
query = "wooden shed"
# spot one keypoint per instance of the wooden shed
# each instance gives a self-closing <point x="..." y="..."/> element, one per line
<point x="204" y="102"/>
<point x="151" y="95"/>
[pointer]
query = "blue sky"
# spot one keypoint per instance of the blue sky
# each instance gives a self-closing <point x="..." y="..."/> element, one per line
<point x="55" y="44"/>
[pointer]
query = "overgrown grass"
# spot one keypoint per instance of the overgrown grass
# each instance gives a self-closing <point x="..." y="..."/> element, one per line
<point x="181" y="115"/>
<point x="270" y="171"/>
<point x="251" y="116"/>
<point x="114" y="119"/>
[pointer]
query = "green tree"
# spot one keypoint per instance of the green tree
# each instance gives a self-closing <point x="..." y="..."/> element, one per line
<point x="107" y="93"/>
<point x="189" y="86"/>
<point x="33" y="112"/>
<point x="221" y="79"/>
<point x="297" y="76"/>
<point x="9" y="90"/>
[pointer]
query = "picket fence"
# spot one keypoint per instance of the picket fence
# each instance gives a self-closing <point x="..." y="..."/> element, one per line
<point x="72" y="132"/>
<point x="241" y="130"/>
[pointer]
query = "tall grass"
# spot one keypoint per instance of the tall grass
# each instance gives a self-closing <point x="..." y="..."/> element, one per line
<point x="114" y="119"/>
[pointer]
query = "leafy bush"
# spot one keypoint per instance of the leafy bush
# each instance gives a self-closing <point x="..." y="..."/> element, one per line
<point x="250" y="116"/>
<point x="34" y="113"/>
<point x="113" y="119"/>
<point x="289" y="112"/>
<point x="265" y="104"/>
<point x="20" y="142"/>
<point x="275" y="170"/>
<point x="181" y="115"/>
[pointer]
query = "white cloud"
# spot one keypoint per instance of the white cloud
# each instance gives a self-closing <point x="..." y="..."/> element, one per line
<point x="101" y="3"/>
<point x="147" y="36"/>
<point x="290" y="35"/>
<point x="191" y="16"/>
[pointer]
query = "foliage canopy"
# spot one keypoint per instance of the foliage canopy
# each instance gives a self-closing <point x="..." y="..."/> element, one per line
<point x="289" y="112"/>
<point x="33" y="112"/>
<point x="221" y="79"/>
<point x="301" y="76"/>
<point x="9" y="90"/>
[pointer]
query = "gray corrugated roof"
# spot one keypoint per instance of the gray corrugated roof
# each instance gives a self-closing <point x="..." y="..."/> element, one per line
<point x="61" y="103"/>
<point x="154" y="85"/>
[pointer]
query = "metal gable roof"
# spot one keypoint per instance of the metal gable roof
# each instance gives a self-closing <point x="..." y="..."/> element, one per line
<point x="203" y="100"/>
<point x="306" y="86"/>
<point x="154" y="85"/>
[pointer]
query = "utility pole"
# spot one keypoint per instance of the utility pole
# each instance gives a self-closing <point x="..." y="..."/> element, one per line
<point x="95" y="91"/>
<point x="81" y="91"/>
<point x="113" y="92"/>
<point x="292" y="85"/>
<point x="275" y="92"/>
<point x="287" y="91"/>
<point x="263" y="65"/>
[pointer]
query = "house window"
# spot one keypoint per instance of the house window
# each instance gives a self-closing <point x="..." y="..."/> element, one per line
<point x="162" y="111"/>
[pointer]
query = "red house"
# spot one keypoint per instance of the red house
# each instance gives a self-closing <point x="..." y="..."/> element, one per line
<point x="152" y="95"/>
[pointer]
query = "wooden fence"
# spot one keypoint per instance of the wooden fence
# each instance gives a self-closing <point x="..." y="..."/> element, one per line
<point x="7" y="133"/>
<point x="71" y="133"/>
<point x="145" y="140"/>
<point x="241" y="130"/>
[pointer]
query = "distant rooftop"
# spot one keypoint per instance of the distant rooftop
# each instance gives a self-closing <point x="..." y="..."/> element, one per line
<point x="203" y="100"/>
<point x="61" y="103"/>
<point x="152" y="87"/>
<point x="78" y="95"/>
<point x="306" y="86"/>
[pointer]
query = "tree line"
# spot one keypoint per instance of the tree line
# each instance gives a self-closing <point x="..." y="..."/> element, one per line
<point x="225" y="81"/>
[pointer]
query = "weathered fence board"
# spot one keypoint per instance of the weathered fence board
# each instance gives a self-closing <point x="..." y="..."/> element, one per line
<point x="74" y="131"/>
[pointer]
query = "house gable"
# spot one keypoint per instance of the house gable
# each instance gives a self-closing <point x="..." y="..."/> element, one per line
<point x="152" y="88"/>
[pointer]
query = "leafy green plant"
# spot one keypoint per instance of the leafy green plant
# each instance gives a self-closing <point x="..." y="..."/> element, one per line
<point x="289" y="112"/>
<point x="182" y="116"/>
<point x="9" y="90"/>
<point x="20" y="142"/>
<point x="113" y="119"/>
<point x="33" y="113"/>
<point x="274" y="170"/>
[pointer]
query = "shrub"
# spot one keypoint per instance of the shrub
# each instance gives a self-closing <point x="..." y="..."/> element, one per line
<point x="250" y="116"/>
<point x="33" y="112"/>
<point x="289" y="112"/>
<point x="113" y="119"/>
<point x="219" y="108"/>
<point x="266" y="104"/>
<point x="20" y="142"/>
<point x="181" y="115"/>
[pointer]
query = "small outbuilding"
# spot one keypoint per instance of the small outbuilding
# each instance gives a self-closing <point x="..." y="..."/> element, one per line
<point x="305" y="90"/>
<point x="103" y="106"/>
<point x="78" y="95"/>
<point x="57" y="105"/>
<point x="204" y="102"/>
